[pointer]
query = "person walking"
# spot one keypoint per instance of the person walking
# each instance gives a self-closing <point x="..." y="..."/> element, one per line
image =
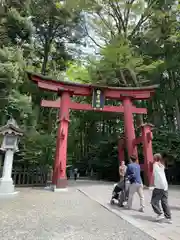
<point x="122" y="170"/>
<point x="160" y="192"/>
<point x="75" y="174"/>
<point x="133" y="173"/>
<point x="122" y="174"/>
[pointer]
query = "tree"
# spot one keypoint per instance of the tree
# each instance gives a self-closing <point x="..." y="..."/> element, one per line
<point x="15" y="40"/>
<point x="55" y="29"/>
<point x="15" y="25"/>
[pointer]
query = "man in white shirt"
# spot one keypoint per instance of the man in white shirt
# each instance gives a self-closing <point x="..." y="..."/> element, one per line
<point x="160" y="192"/>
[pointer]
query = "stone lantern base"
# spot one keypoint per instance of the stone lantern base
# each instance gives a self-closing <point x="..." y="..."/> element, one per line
<point x="7" y="188"/>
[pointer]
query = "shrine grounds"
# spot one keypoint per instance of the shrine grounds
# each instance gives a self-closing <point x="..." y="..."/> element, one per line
<point x="83" y="212"/>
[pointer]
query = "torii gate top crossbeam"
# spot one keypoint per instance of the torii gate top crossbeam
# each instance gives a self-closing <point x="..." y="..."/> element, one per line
<point x="78" y="89"/>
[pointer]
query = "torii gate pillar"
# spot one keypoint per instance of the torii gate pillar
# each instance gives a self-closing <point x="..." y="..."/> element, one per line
<point x="59" y="180"/>
<point x="129" y="127"/>
<point x="147" y="136"/>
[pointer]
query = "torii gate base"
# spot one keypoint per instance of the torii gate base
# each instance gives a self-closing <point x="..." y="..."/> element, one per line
<point x="99" y="93"/>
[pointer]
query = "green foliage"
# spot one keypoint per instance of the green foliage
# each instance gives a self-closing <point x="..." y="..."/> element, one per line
<point x="122" y="65"/>
<point x="76" y="72"/>
<point x="12" y="64"/>
<point x="20" y="103"/>
<point x="15" y="25"/>
<point x="168" y="142"/>
<point x="38" y="148"/>
<point x="12" y="76"/>
<point x="107" y="167"/>
<point x="19" y="28"/>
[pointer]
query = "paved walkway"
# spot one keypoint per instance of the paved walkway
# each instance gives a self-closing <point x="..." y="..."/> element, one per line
<point x="37" y="214"/>
<point x="145" y="221"/>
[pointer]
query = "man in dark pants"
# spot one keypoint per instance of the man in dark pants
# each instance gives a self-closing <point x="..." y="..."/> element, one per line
<point x="160" y="192"/>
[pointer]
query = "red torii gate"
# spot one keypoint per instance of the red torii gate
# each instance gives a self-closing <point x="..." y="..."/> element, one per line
<point x="99" y="93"/>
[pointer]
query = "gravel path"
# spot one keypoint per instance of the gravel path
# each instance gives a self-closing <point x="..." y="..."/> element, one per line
<point x="37" y="214"/>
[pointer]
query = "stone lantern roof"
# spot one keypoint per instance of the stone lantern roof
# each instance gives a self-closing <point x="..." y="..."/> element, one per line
<point x="11" y="127"/>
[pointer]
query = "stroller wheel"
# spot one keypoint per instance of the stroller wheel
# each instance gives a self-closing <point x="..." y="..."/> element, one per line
<point x="121" y="199"/>
<point x="120" y="204"/>
<point x="112" y="202"/>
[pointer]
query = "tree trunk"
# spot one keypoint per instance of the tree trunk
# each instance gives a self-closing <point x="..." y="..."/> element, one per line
<point x="46" y="55"/>
<point x="177" y="110"/>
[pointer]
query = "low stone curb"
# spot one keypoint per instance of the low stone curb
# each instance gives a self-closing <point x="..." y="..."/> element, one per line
<point x="152" y="233"/>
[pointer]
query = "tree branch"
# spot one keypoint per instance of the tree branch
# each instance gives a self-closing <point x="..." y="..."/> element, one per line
<point x="118" y="14"/>
<point x="92" y="39"/>
<point x="138" y="25"/>
<point x="116" y="21"/>
<point x="106" y="23"/>
<point x="143" y="18"/>
<point x="123" y="78"/>
<point x="127" y="12"/>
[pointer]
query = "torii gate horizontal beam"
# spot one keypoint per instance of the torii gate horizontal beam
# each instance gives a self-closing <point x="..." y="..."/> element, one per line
<point x="88" y="107"/>
<point x="78" y="89"/>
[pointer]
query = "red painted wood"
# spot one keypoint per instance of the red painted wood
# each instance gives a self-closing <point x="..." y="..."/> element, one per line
<point x="62" y="135"/>
<point x="78" y="91"/>
<point x="129" y="127"/>
<point x="46" y="85"/>
<point x="149" y="136"/>
<point x="137" y="141"/>
<point x="119" y="94"/>
<point x="88" y="107"/>
<point x="148" y="153"/>
<point x="51" y="103"/>
<point x="86" y="90"/>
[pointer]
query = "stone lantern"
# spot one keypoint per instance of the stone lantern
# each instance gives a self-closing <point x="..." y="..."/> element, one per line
<point x="11" y="133"/>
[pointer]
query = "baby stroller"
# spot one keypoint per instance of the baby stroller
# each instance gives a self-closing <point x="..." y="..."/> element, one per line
<point x="120" y="192"/>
